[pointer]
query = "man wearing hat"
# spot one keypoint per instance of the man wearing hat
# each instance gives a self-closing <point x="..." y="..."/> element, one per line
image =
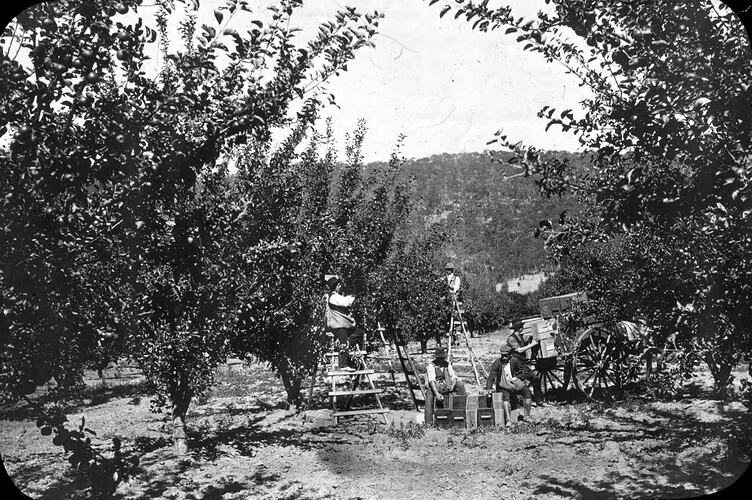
<point x="452" y="295"/>
<point x="504" y="377"/>
<point x="518" y="347"/>
<point x="453" y="281"/>
<point x="441" y="377"/>
<point x="341" y="323"/>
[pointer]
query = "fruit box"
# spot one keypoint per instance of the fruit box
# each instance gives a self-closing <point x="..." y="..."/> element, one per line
<point x="547" y="348"/>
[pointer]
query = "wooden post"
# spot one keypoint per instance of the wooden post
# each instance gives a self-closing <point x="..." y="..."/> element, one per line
<point x="471" y="412"/>
<point x="428" y="409"/>
<point x="498" y="409"/>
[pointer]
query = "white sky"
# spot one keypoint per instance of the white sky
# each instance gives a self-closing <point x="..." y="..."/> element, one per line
<point x="445" y="86"/>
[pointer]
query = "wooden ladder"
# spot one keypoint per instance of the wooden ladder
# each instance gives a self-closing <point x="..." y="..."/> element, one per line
<point x="409" y="368"/>
<point x="363" y="372"/>
<point x="457" y="324"/>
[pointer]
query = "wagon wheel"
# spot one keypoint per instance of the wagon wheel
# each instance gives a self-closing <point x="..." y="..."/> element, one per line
<point x="555" y="374"/>
<point x="600" y="362"/>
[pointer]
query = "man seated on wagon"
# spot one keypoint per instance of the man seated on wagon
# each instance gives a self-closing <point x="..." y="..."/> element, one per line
<point x="504" y="376"/>
<point x="516" y="342"/>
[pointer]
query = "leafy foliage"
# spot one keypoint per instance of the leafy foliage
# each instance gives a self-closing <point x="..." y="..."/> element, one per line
<point x="300" y="223"/>
<point x="668" y="134"/>
<point x="117" y="211"/>
<point x="411" y="289"/>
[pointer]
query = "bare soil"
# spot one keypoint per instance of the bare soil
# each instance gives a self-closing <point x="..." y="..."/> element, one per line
<point x="245" y="444"/>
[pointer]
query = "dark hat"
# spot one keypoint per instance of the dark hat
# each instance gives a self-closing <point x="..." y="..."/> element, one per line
<point x="505" y="349"/>
<point x="449" y="265"/>
<point x="439" y="353"/>
<point x="332" y="283"/>
<point x="517" y="324"/>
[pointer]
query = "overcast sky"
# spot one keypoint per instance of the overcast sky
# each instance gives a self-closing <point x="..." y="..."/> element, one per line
<point x="446" y="87"/>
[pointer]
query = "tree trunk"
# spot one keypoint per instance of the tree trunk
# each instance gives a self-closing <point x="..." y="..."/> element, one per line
<point x="423" y="346"/>
<point x="720" y="366"/>
<point x="313" y="385"/>
<point x="292" y="385"/>
<point x="180" y="438"/>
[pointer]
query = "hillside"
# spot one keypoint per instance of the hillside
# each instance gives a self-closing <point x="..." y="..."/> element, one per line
<point x="492" y="218"/>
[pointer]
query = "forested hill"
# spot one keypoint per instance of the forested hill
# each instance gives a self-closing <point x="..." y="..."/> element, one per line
<point x="493" y="219"/>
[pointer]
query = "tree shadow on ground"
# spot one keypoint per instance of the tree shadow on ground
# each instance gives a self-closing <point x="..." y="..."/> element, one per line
<point x="67" y="483"/>
<point x="655" y="448"/>
<point x="244" y="439"/>
<point x="257" y="483"/>
<point x="86" y="397"/>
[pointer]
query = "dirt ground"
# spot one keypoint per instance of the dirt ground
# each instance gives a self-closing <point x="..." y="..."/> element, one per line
<point x="245" y="444"/>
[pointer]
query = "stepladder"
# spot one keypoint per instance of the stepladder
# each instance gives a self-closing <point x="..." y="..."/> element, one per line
<point x="346" y="385"/>
<point x="412" y="377"/>
<point x="459" y="350"/>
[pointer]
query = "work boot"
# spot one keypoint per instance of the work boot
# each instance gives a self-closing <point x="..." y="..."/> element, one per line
<point x="507" y="406"/>
<point x="526" y="405"/>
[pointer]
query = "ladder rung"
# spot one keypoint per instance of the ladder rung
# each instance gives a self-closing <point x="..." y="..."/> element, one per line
<point x="356" y="372"/>
<point x="360" y="412"/>
<point x="361" y="391"/>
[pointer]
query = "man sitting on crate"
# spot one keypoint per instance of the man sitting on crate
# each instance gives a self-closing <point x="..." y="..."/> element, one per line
<point x="341" y="323"/>
<point x="504" y="376"/>
<point x="441" y="377"/>
<point x="518" y="347"/>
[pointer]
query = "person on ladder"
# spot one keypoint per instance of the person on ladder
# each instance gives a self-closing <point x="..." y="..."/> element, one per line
<point x="453" y="295"/>
<point x="341" y="324"/>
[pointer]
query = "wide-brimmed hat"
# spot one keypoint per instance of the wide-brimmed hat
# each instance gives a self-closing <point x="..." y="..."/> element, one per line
<point x="439" y="353"/>
<point x="332" y="283"/>
<point x="517" y="324"/>
<point x="505" y="349"/>
<point x="449" y="265"/>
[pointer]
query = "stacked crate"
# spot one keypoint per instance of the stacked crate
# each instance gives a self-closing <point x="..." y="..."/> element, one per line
<point x="544" y="331"/>
<point x="450" y="412"/>
<point x="469" y="412"/>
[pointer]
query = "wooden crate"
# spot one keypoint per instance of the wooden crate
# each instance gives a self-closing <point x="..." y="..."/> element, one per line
<point x="447" y="418"/>
<point x="455" y="402"/>
<point x="547" y="348"/>
<point x="486" y="417"/>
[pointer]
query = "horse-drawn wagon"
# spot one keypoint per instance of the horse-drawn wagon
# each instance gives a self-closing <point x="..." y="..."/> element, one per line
<point x="597" y="358"/>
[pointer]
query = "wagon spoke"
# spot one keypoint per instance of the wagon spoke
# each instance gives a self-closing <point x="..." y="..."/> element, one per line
<point x="593" y="347"/>
<point x="553" y="375"/>
<point x="588" y="377"/>
<point x="592" y="388"/>
<point x="605" y="373"/>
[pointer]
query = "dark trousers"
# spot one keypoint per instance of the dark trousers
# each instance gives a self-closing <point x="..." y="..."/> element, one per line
<point x="530" y="375"/>
<point x="348" y="338"/>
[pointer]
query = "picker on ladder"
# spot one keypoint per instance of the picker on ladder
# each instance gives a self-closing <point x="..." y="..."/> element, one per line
<point x="458" y="326"/>
<point x="360" y="374"/>
<point x="348" y="364"/>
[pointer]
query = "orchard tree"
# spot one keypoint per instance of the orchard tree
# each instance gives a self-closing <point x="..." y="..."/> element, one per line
<point x="116" y="209"/>
<point x="300" y="223"/>
<point x="667" y="134"/>
<point x="410" y="290"/>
